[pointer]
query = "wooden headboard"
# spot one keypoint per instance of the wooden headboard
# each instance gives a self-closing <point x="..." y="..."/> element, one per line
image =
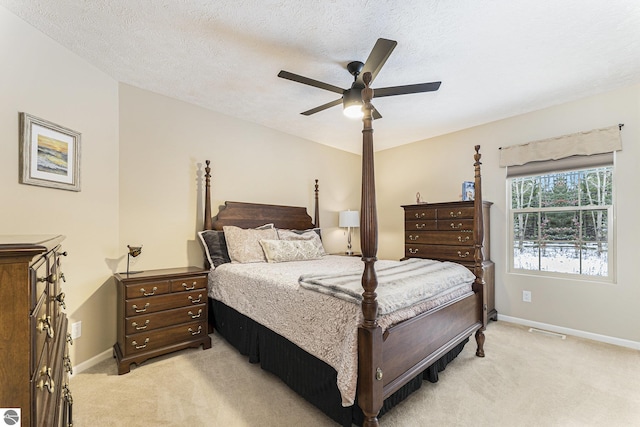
<point x="252" y="215"/>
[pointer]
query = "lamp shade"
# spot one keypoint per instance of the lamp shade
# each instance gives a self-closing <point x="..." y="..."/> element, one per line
<point x="349" y="219"/>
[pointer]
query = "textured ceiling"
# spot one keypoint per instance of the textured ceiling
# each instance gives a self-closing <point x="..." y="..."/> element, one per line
<point x="495" y="58"/>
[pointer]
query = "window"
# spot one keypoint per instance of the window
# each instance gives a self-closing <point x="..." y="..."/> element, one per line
<point x="562" y="223"/>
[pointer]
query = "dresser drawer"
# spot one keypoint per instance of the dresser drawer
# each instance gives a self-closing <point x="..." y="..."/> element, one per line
<point x="455" y="225"/>
<point x="42" y="328"/>
<point x="154" y="304"/>
<point x="441" y="252"/>
<point x="420" y="225"/>
<point x="160" y="338"/>
<point x="188" y="284"/>
<point x="147" y="289"/>
<point x="439" y="237"/>
<point x="38" y="277"/>
<point x="419" y="214"/>
<point x="455" y="212"/>
<point x="162" y="319"/>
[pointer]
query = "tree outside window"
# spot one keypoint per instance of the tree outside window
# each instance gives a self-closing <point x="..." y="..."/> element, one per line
<point x="561" y="221"/>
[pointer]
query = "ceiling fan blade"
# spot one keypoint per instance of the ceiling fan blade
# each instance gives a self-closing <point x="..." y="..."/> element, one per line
<point x="375" y="114"/>
<point x="307" y="81"/>
<point x="407" y="89"/>
<point x="378" y="56"/>
<point x="322" y="107"/>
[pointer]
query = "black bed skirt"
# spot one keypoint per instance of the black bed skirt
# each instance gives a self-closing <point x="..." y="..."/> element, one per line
<point x="307" y="375"/>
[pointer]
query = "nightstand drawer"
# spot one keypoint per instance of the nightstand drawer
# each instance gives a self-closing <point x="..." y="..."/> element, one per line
<point x="146" y="341"/>
<point x="147" y="289"/>
<point x="188" y="284"/>
<point x="154" y="304"/>
<point x="162" y="319"/>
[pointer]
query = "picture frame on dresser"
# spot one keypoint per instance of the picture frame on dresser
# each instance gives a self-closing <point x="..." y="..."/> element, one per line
<point x="49" y="154"/>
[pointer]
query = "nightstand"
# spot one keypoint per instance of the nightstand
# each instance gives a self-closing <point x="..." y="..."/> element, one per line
<point x="160" y="311"/>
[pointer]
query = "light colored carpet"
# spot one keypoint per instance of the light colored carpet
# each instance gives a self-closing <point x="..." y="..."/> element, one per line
<point x="526" y="379"/>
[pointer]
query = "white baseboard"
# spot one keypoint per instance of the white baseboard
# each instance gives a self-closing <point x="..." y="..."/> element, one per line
<point x="93" y="361"/>
<point x="574" y="332"/>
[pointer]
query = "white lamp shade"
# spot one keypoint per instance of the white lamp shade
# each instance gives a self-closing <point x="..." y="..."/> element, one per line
<point x="349" y="219"/>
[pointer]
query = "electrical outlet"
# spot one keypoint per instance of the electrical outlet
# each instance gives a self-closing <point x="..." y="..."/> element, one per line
<point x="526" y="296"/>
<point x="76" y="330"/>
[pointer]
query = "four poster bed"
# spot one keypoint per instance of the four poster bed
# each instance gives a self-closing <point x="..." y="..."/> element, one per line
<point x="353" y="356"/>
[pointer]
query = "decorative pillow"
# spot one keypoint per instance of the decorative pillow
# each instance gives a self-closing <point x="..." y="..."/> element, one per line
<point x="290" y="250"/>
<point x="244" y="244"/>
<point x="215" y="247"/>
<point x="312" y="235"/>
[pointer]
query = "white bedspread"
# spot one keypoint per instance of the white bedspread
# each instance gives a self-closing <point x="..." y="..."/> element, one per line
<point x="321" y="324"/>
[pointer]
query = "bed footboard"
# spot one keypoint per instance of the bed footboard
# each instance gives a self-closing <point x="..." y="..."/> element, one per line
<point x="411" y="346"/>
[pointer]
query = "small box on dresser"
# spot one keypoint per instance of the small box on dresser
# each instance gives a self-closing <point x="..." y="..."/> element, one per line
<point x="160" y="311"/>
<point x="34" y="354"/>
<point x="444" y="231"/>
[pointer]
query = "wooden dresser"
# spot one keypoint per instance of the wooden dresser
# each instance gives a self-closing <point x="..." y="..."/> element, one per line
<point x="34" y="356"/>
<point x="160" y="311"/>
<point x="444" y="231"/>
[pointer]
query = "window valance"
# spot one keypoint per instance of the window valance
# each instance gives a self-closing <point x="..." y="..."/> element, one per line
<point x="597" y="141"/>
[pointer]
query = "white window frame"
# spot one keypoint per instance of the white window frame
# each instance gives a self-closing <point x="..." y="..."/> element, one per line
<point x="611" y="224"/>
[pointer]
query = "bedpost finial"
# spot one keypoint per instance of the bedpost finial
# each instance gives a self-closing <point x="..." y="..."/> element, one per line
<point x="477" y="156"/>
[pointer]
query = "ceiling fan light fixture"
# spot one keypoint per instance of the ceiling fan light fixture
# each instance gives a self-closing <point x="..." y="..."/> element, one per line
<point x="352" y="104"/>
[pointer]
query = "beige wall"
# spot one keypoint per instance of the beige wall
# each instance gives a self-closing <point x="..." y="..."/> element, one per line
<point x="437" y="167"/>
<point x="163" y="146"/>
<point x="40" y="77"/>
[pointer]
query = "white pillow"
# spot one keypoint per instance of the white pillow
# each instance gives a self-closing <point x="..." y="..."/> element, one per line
<point x="290" y="250"/>
<point x="243" y="245"/>
<point x="310" y="235"/>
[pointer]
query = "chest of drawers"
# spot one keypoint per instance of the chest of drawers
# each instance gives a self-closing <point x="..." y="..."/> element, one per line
<point x="34" y="356"/>
<point x="444" y="231"/>
<point x="160" y="311"/>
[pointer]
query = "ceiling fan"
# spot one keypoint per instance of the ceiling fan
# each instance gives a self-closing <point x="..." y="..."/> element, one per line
<point x="351" y="98"/>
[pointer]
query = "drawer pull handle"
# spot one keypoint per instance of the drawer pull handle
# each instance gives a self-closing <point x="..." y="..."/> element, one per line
<point x="460" y="239"/>
<point x="420" y="215"/>
<point x="412" y="237"/>
<point x="138" y="347"/>
<point x="48" y="382"/>
<point x="413" y="251"/>
<point x="140" y="310"/>
<point x="195" y="316"/>
<point x="195" y="301"/>
<point x="196" y="332"/>
<point x="186" y="288"/>
<point x="148" y="294"/>
<point x="420" y="226"/>
<point x="139" y="328"/>
<point x="66" y="393"/>
<point x="455" y="227"/>
<point x="44" y="325"/>
<point x="60" y="299"/>
<point x="61" y="276"/>
<point x="69" y="339"/>
<point x="463" y="255"/>
<point x="455" y="215"/>
<point x="67" y="364"/>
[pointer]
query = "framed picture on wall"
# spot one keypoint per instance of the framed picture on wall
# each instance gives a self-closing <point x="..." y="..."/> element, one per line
<point x="49" y="154"/>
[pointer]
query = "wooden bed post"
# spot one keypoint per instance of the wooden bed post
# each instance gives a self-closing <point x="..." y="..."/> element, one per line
<point x="478" y="236"/>
<point x="207" y="196"/>
<point x="316" y="211"/>
<point x="369" y="333"/>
